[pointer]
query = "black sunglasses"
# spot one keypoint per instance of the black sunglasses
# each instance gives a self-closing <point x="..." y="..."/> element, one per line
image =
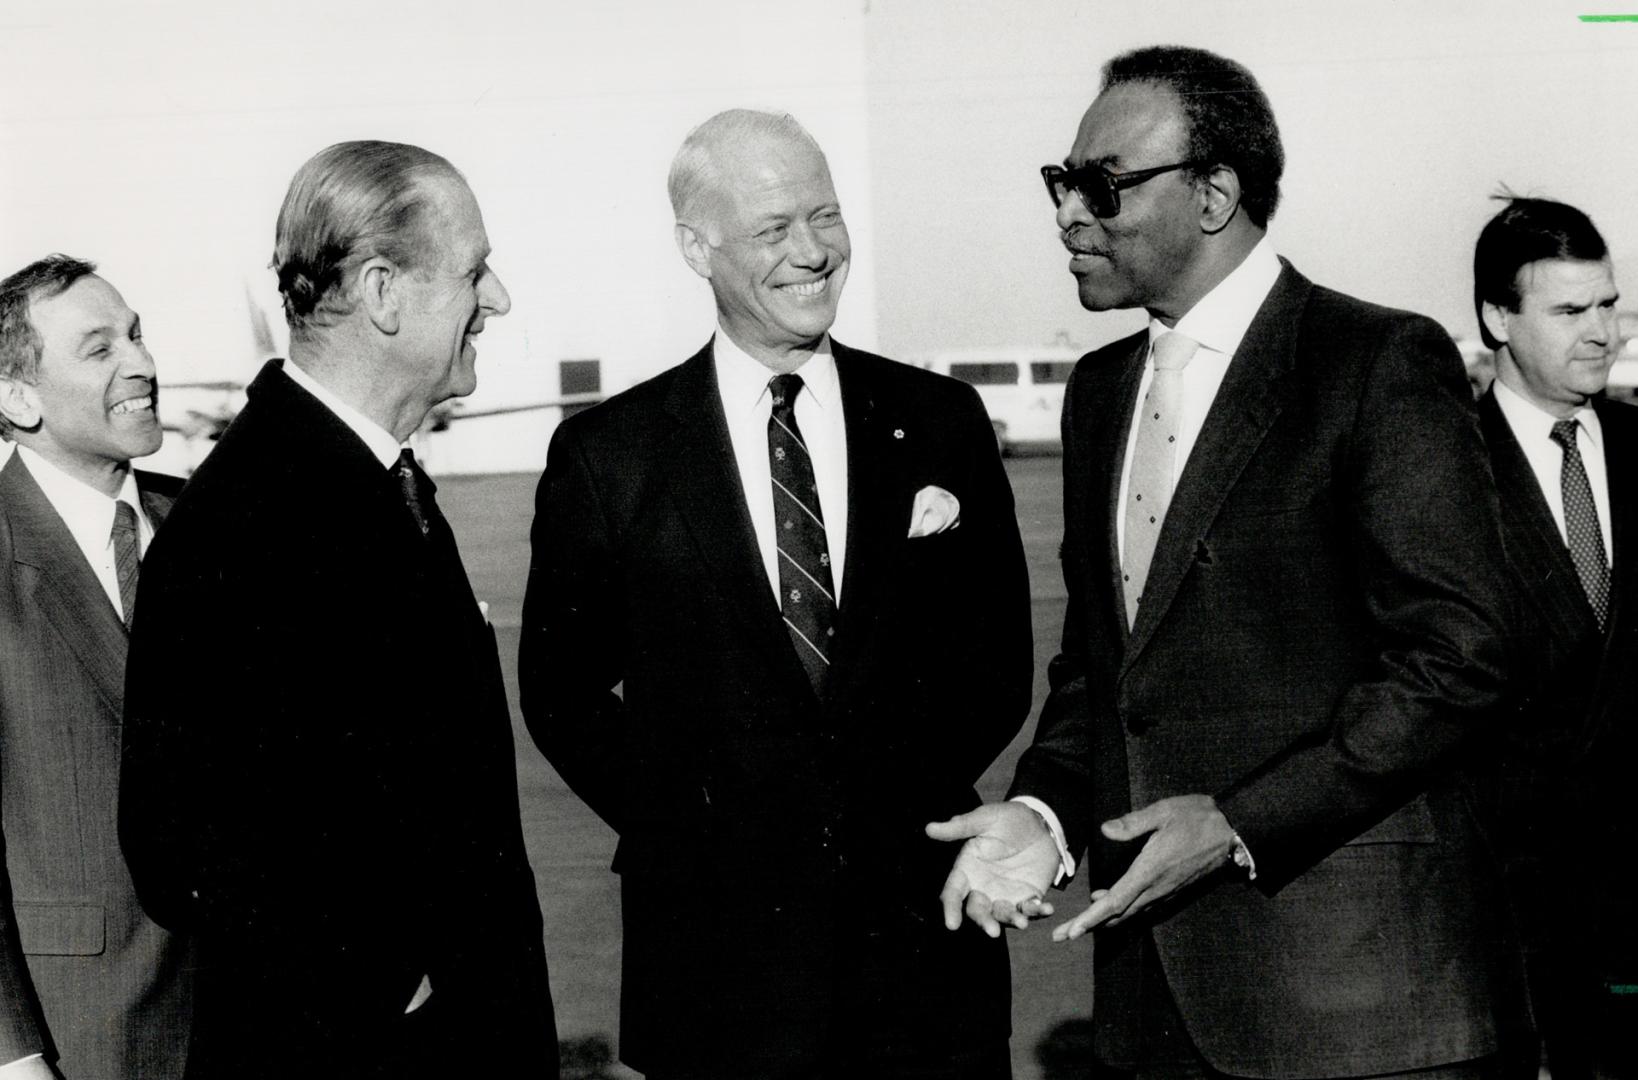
<point x="1099" y="188"/>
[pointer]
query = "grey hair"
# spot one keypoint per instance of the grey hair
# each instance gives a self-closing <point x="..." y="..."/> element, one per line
<point x="350" y="203"/>
<point x="20" y="343"/>
<point x="695" y="172"/>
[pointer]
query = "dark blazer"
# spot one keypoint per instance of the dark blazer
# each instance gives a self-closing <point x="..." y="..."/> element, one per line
<point x="1321" y="632"/>
<point x="85" y="977"/>
<point x="330" y="801"/>
<point x="1567" y="751"/>
<point x="756" y="821"/>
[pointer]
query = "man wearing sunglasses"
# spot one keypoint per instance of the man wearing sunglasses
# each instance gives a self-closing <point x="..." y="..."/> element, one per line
<point x="1284" y="623"/>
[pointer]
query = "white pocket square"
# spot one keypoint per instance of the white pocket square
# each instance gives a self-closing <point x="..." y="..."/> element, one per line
<point x="934" y="511"/>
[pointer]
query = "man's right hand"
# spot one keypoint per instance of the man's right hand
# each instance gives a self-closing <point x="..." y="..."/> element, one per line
<point x="1003" y="870"/>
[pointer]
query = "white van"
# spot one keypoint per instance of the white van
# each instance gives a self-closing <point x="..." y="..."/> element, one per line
<point x="1022" y="387"/>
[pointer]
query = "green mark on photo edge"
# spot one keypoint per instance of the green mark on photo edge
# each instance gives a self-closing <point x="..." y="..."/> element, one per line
<point x="1609" y="18"/>
<point x="1623" y="988"/>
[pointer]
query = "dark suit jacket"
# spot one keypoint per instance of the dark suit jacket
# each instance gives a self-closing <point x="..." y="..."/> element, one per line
<point x="756" y="821"/>
<point x="1567" y="752"/>
<point x="1321" y="631"/>
<point x="85" y="977"/>
<point x="330" y="802"/>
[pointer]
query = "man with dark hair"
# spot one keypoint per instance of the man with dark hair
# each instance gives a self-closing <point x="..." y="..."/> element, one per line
<point x="89" y="985"/>
<point x="798" y="565"/>
<point x="330" y="803"/>
<point x="1286" y="617"/>
<point x="1566" y="465"/>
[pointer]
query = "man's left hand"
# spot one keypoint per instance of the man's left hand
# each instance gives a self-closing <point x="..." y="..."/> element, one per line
<point x="1188" y="839"/>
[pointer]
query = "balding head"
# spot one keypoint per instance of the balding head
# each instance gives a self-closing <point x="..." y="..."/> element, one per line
<point x="350" y="203"/>
<point x="714" y="153"/>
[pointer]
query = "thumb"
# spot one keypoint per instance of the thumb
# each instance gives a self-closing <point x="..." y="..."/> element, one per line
<point x="1134" y="824"/>
<point x="962" y="826"/>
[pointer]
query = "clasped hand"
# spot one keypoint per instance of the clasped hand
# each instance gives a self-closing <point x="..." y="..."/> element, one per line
<point x="1009" y="859"/>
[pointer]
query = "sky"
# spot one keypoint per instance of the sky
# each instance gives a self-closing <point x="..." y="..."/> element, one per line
<point x="157" y="139"/>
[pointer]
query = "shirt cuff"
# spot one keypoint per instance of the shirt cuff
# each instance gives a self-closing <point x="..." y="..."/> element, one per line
<point x="7" y="1069"/>
<point x="1242" y="857"/>
<point x="1066" y="862"/>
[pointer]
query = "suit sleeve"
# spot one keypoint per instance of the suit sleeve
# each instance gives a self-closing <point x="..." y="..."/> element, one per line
<point x="1056" y="767"/>
<point x="22" y="1030"/>
<point x="571" y="651"/>
<point x="1423" y="523"/>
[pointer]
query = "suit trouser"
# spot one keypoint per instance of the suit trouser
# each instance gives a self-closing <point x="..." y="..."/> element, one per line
<point x="991" y="1063"/>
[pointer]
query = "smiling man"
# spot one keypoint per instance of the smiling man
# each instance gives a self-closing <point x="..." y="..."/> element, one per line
<point x="799" y="564"/>
<point x="330" y="801"/>
<point x="89" y="985"/>
<point x="1566" y="465"/>
<point x="1285" y="627"/>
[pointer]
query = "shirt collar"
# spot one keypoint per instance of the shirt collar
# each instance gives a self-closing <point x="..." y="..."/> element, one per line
<point x="743" y="379"/>
<point x="380" y="441"/>
<point x="1533" y="424"/>
<point x="1220" y="319"/>
<point x="88" y="513"/>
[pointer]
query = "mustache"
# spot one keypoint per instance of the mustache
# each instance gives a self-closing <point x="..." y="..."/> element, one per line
<point x="1079" y="243"/>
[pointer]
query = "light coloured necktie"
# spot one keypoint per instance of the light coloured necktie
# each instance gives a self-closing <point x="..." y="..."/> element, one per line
<point x="1149" y="489"/>
<point x="1586" y="539"/>
<point x="124" y="537"/>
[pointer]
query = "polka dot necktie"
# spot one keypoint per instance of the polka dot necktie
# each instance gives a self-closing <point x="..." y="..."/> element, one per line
<point x="1149" y="488"/>
<point x="1586" y="539"/>
<point x="124" y="538"/>
<point x="807" y="597"/>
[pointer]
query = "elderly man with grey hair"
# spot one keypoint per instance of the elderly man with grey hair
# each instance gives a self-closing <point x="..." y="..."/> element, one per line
<point x="330" y="801"/>
<point x="800" y="564"/>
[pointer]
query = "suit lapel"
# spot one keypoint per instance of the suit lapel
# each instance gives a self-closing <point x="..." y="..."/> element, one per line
<point x="878" y="516"/>
<point x="703" y="480"/>
<point x="1255" y="390"/>
<point x="1537" y="550"/>
<point x="62" y="584"/>
<point x="1620" y="459"/>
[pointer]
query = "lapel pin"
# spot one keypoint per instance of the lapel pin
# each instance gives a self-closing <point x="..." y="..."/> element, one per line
<point x="898" y="433"/>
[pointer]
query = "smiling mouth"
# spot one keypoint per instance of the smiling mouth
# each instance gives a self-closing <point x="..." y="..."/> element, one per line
<point x="131" y="405"/>
<point x="806" y="288"/>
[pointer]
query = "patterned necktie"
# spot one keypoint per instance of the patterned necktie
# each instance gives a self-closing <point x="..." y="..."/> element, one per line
<point x="415" y="496"/>
<point x="807" y="596"/>
<point x="1149" y="489"/>
<point x="1586" y="539"/>
<point x="124" y="538"/>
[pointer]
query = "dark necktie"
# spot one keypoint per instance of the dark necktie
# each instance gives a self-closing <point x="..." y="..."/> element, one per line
<point x="417" y="489"/>
<point x="1586" y="539"/>
<point x="807" y="596"/>
<point x="124" y="537"/>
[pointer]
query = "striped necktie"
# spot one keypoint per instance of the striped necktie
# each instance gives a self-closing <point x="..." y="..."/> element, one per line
<point x="807" y="596"/>
<point x="124" y="538"/>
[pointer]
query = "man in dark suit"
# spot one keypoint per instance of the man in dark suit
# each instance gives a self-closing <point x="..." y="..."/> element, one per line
<point x="800" y="565"/>
<point x="1566" y="465"/>
<point x="89" y="985"/>
<point x="1286" y="610"/>
<point x="330" y="802"/>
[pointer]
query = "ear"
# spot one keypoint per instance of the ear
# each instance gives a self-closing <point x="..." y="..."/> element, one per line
<point x="379" y="292"/>
<point x="1495" y="320"/>
<point x="1219" y="198"/>
<point x="20" y="404"/>
<point x="696" y="247"/>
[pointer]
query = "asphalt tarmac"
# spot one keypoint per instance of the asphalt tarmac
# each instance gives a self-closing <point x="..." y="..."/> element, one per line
<point x="570" y="848"/>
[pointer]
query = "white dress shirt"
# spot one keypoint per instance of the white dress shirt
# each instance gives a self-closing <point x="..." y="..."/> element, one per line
<point x="1219" y="322"/>
<point x="742" y="382"/>
<point x="89" y="515"/>
<point x="1533" y="428"/>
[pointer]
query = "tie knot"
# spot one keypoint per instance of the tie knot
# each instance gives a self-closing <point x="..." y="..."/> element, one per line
<point x="784" y="389"/>
<point x="1173" y="351"/>
<point x="1564" y="433"/>
<point x="125" y="519"/>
